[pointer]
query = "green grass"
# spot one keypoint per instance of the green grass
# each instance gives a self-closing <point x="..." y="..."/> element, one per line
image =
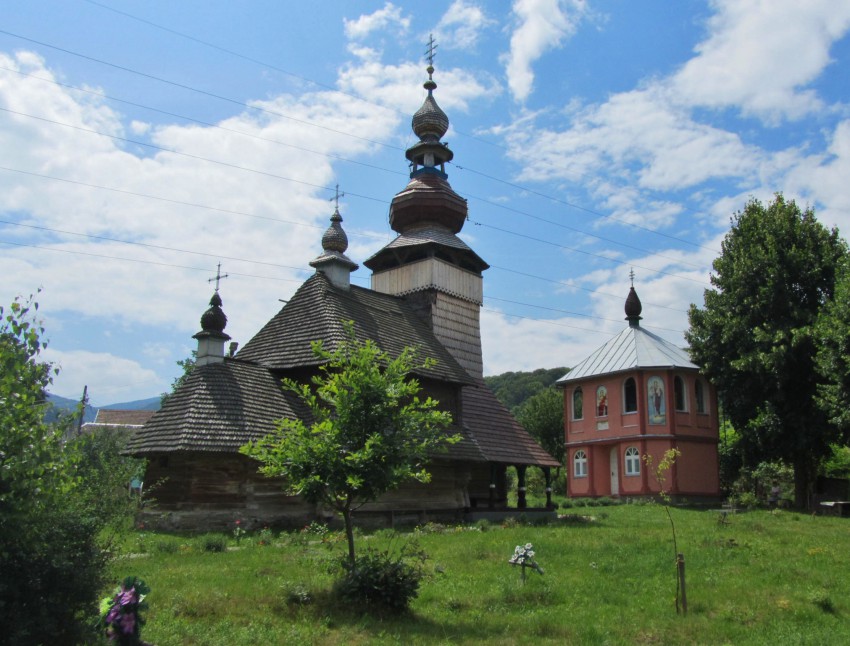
<point x="764" y="578"/>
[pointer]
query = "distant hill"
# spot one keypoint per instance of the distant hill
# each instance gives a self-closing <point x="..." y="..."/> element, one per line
<point x="513" y="388"/>
<point x="63" y="405"/>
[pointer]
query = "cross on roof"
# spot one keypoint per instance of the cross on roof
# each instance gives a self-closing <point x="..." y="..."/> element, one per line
<point x="632" y="276"/>
<point x="218" y="276"/>
<point x="431" y="51"/>
<point x="336" y="197"/>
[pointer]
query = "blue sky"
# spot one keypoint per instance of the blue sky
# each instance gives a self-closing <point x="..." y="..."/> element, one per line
<point x="142" y="143"/>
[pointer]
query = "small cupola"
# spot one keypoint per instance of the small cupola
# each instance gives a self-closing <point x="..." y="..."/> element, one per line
<point x="333" y="262"/>
<point x="211" y="338"/>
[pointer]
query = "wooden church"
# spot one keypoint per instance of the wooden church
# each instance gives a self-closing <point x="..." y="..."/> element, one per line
<point x="639" y="395"/>
<point x="426" y="291"/>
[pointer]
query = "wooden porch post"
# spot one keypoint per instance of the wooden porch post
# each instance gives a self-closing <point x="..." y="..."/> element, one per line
<point x="520" y="488"/>
<point x="492" y="502"/>
<point x="547" y="472"/>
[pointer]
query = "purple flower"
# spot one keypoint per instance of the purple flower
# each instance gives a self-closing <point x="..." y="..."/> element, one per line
<point x="113" y="614"/>
<point x="128" y="596"/>
<point x="128" y="623"/>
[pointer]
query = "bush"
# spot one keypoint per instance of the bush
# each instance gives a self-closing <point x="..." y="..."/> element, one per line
<point x="212" y="543"/>
<point x="382" y="580"/>
<point x="52" y="572"/>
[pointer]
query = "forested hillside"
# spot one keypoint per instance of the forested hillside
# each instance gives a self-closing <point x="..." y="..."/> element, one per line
<point x="514" y="388"/>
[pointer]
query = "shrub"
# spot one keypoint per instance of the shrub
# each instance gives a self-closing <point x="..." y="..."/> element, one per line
<point x="52" y="571"/>
<point x="212" y="543"/>
<point x="382" y="580"/>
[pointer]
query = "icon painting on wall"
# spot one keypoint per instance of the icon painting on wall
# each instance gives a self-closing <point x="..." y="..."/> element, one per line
<point x="655" y="393"/>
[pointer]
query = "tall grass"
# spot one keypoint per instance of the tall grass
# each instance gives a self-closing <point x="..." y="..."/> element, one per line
<point x="763" y="578"/>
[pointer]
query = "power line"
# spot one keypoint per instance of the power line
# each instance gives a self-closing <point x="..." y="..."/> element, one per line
<point x="246" y="105"/>
<point x="200" y="121"/>
<point x="198" y="90"/>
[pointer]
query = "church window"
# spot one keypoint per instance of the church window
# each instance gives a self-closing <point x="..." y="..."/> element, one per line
<point x="679" y="394"/>
<point x="578" y="404"/>
<point x="632" y="461"/>
<point x="699" y="395"/>
<point x="630" y="396"/>
<point x="602" y="401"/>
<point x="580" y="464"/>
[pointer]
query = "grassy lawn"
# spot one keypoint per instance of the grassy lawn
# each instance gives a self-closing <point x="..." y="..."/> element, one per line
<point x="763" y="578"/>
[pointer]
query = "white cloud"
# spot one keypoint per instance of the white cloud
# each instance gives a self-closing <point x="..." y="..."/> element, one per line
<point x="96" y="277"/>
<point x="759" y="56"/>
<point x="382" y="19"/>
<point x="109" y="378"/>
<point x="541" y="25"/>
<point x="461" y="26"/>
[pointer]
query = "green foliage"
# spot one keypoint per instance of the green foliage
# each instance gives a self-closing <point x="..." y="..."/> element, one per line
<point x="187" y="365"/>
<point x="837" y="465"/>
<point x="832" y="332"/>
<point x="382" y="580"/>
<point x="755" y="337"/>
<point x="514" y="388"/>
<point x="52" y="572"/>
<point x="542" y="415"/>
<point x="32" y="464"/>
<point x="212" y="543"/>
<point x="51" y="561"/>
<point x="104" y="475"/>
<point x="370" y="430"/>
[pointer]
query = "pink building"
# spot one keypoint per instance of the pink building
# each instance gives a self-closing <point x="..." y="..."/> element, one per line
<point x="639" y="395"/>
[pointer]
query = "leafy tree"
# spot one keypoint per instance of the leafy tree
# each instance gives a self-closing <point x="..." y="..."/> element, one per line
<point x="51" y="563"/>
<point x="542" y="415"/>
<point x="187" y="365"/>
<point x="755" y="337"/>
<point x="514" y="388"/>
<point x="833" y="357"/>
<point x="370" y="431"/>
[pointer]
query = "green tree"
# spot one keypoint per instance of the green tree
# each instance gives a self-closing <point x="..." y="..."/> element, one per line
<point x="370" y="430"/>
<point x="755" y="339"/>
<point x="833" y="357"/>
<point x="542" y="415"/>
<point x="51" y="563"/>
<point x="187" y="365"/>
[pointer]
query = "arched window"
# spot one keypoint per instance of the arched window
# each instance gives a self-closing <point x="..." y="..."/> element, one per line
<point x="578" y="403"/>
<point x="602" y="401"/>
<point x="699" y="395"/>
<point x="632" y="461"/>
<point x="580" y="464"/>
<point x="630" y="396"/>
<point x="679" y="394"/>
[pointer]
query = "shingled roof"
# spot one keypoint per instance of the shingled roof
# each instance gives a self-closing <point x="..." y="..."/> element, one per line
<point x="318" y="310"/>
<point x="497" y="434"/>
<point x="220" y="407"/>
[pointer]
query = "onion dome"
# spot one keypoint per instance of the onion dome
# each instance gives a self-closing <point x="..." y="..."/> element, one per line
<point x="430" y="123"/>
<point x="633" y="308"/>
<point x="333" y="262"/>
<point x="214" y="319"/>
<point x="335" y="238"/>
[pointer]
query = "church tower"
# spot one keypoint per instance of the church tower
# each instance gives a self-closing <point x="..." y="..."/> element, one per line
<point x="427" y="263"/>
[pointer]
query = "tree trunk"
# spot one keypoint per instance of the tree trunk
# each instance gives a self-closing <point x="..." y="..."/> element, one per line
<point x="802" y="485"/>
<point x="349" y="531"/>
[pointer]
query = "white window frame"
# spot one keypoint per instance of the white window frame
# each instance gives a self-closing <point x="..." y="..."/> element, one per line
<point x="632" y="458"/>
<point x="580" y="464"/>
